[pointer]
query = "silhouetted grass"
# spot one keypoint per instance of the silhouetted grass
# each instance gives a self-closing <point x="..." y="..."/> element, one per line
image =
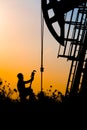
<point x="50" y="107"/>
<point x="42" y="111"/>
<point x="43" y="101"/>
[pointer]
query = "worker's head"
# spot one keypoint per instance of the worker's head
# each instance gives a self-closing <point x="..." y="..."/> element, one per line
<point x="20" y="76"/>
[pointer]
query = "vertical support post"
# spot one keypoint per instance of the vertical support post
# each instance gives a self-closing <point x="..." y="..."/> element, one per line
<point x="42" y="30"/>
<point x="75" y="87"/>
<point x="83" y="90"/>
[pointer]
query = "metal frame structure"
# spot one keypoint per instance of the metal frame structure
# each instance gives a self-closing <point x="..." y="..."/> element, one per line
<point x="77" y="47"/>
<point x="72" y="23"/>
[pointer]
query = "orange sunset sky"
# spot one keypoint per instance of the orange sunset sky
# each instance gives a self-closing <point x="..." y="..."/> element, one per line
<point x="20" y="46"/>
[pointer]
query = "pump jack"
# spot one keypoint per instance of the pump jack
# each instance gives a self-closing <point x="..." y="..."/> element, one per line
<point x="71" y="18"/>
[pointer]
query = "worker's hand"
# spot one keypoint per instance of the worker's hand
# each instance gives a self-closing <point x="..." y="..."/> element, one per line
<point x="32" y="74"/>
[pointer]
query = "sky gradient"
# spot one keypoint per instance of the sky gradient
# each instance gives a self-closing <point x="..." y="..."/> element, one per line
<point x="20" y="46"/>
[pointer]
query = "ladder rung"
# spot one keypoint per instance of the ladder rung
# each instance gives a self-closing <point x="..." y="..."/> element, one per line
<point x="65" y="56"/>
<point x="73" y="40"/>
<point x="81" y="11"/>
<point x="73" y="23"/>
<point x="80" y="44"/>
<point x="73" y="58"/>
<point x="82" y="28"/>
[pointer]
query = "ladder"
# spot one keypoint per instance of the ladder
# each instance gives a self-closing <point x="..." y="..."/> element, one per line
<point x="74" y="42"/>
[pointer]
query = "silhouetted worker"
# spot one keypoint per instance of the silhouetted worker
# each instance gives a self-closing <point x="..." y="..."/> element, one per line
<point x="23" y="91"/>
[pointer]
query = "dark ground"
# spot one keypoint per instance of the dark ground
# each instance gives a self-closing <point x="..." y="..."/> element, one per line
<point x="44" y="113"/>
